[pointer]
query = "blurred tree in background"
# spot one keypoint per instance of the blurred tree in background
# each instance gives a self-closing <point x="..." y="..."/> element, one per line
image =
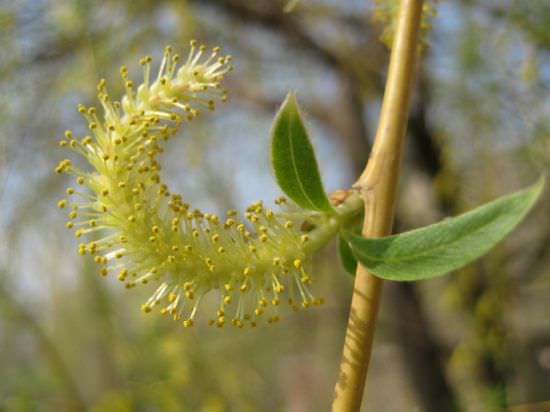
<point x="478" y="340"/>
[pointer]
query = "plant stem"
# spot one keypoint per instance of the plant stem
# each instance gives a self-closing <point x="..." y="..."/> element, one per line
<point x="378" y="185"/>
<point x="347" y="212"/>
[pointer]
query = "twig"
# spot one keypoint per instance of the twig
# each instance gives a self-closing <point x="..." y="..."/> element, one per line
<point x="378" y="185"/>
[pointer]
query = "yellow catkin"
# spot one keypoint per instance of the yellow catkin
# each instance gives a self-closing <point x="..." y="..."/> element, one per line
<point x="145" y="234"/>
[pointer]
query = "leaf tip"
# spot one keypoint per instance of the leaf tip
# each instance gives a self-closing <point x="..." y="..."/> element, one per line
<point x="291" y="101"/>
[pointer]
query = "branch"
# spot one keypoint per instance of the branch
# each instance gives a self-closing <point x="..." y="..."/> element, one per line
<point x="378" y="185"/>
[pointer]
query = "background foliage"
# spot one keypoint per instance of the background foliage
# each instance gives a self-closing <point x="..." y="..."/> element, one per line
<point x="479" y="339"/>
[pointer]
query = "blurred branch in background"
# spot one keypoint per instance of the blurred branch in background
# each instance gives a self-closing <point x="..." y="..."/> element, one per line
<point x="49" y="348"/>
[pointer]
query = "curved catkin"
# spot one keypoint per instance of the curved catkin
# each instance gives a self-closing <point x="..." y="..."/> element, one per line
<point x="146" y="234"/>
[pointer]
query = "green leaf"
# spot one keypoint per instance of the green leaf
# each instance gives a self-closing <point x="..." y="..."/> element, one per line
<point x="294" y="161"/>
<point x="349" y="263"/>
<point x="445" y="246"/>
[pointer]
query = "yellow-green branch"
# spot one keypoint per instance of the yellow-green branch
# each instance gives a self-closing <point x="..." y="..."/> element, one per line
<point x="377" y="185"/>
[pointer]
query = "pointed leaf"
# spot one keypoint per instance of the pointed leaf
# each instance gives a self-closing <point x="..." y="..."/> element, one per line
<point x="348" y="261"/>
<point x="294" y="161"/>
<point x="445" y="246"/>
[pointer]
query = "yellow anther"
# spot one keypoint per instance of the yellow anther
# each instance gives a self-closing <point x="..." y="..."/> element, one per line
<point x="304" y="238"/>
<point x="227" y="300"/>
<point x="279" y="288"/>
<point x="122" y="275"/>
<point x="297" y="263"/>
<point x="289" y="224"/>
<point x="188" y="323"/>
<point x="131" y="219"/>
<point x="263" y="238"/>
<point x="146" y="308"/>
<point x="62" y="203"/>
